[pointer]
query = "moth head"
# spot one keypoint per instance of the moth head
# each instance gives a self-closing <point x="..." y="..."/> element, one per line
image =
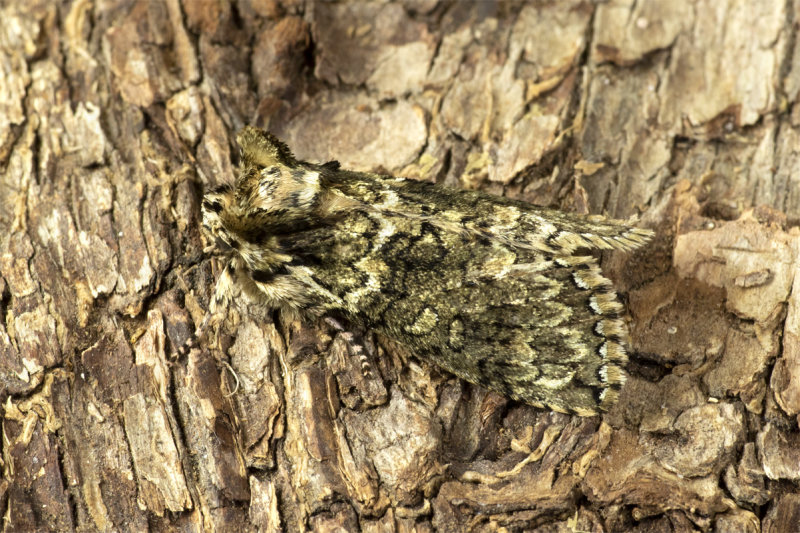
<point x="215" y="204"/>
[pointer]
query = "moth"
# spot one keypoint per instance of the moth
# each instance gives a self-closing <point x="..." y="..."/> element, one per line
<point x="497" y="291"/>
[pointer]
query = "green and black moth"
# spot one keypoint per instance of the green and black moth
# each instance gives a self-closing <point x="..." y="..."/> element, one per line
<point x="497" y="291"/>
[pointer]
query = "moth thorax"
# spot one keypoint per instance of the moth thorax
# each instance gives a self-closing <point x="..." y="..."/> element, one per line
<point x="282" y="187"/>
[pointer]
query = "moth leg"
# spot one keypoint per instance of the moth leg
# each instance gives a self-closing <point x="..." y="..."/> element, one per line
<point x="224" y="291"/>
<point x="356" y="346"/>
<point x="349" y="357"/>
<point x="335" y="324"/>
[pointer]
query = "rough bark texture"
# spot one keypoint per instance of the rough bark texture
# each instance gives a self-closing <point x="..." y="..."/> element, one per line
<point x="114" y="117"/>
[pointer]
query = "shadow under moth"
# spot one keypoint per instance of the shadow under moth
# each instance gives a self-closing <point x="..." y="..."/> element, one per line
<point x="497" y="291"/>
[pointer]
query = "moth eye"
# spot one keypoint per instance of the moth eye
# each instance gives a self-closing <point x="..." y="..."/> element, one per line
<point x="212" y="205"/>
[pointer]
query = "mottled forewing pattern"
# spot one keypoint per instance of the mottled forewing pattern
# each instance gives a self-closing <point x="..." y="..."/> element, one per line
<point x="496" y="291"/>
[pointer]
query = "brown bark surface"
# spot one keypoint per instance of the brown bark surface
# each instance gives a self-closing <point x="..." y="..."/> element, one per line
<point x="116" y="116"/>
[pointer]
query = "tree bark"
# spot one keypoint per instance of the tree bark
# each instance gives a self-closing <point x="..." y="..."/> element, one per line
<point x="115" y="117"/>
